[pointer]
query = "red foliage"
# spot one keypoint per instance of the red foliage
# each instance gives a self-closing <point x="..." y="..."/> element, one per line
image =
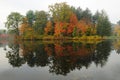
<point x="82" y="26"/>
<point x="61" y="28"/>
<point x="72" y="24"/>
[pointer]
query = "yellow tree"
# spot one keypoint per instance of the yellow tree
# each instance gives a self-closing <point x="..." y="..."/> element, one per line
<point x="48" y="29"/>
<point x="60" y="12"/>
<point x="26" y="32"/>
<point x="117" y="30"/>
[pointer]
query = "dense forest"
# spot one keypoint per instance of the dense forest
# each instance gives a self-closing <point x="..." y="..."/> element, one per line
<point x="61" y="21"/>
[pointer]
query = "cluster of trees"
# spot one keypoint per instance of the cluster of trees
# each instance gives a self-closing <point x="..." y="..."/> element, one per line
<point x="61" y="20"/>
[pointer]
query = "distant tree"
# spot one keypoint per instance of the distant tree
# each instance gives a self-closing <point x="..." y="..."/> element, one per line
<point x="78" y="12"/>
<point x="60" y="29"/>
<point x="60" y="12"/>
<point x="73" y="23"/>
<point x="14" y="19"/>
<point x="116" y="30"/>
<point x="41" y="18"/>
<point x="48" y="29"/>
<point x="96" y="17"/>
<point x="82" y="27"/>
<point x="30" y="16"/>
<point x="57" y="30"/>
<point x="103" y="25"/>
<point x="87" y="15"/>
<point x="26" y="31"/>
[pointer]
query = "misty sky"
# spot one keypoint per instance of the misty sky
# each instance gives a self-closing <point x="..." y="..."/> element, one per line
<point x="22" y="6"/>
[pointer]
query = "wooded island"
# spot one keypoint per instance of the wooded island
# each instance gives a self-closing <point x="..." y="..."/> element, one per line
<point x="61" y="22"/>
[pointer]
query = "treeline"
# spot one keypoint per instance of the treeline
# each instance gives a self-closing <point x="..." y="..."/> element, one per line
<point x="62" y="20"/>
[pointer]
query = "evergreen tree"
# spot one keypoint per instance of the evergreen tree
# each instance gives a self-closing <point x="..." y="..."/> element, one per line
<point x="103" y="25"/>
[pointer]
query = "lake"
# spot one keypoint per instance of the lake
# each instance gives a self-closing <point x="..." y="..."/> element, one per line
<point x="58" y="60"/>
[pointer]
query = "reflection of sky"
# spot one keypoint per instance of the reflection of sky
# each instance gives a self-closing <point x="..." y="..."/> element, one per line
<point x="3" y="60"/>
<point x="110" y="71"/>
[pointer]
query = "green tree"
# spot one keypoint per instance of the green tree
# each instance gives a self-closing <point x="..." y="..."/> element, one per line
<point x="60" y="12"/>
<point x="78" y="12"/>
<point x="30" y="16"/>
<point x="103" y="25"/>
<point x="96" y="17"/>
<point x="41" y="18"/>
<point x="14" y="19"/>
<point x="87" y="15"/>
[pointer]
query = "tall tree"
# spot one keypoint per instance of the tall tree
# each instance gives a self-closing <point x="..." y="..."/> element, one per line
<point x="26" y="31"/>
<point x="30" y="16"/>
<point x="41" y="18"/>
<point x="72" y="24"/>
<point x="103" y="25"/>
<point x="78" y="12"/>
<point x="14" y="19"/>
<point x="48" y="29"/>
<point x="96" y="17"/>
<point x="61" y="12"/>
<point x="116" y="30"/>
<point x="86" y="14"/>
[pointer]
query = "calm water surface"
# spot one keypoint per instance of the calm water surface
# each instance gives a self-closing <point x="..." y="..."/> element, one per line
<point x="60" y="60"/>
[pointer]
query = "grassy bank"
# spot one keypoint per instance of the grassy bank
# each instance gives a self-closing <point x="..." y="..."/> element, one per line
<point x="52" y="38"/>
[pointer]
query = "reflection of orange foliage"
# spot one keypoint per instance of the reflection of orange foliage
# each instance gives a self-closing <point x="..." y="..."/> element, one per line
<point x="49" y="50"/>
<point x="83" y="51"/>
<point x="59" y="49"/>
<point x="69" y="51"/>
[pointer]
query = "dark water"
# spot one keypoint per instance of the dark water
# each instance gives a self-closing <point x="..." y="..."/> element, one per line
<point x="60" y="60"/>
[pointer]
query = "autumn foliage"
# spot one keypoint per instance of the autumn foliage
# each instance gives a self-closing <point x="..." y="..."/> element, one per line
<point x="62" y="22"/>
<point x="48" y="28"/>
<point x="26" y="31"/>
<point x="73" y="23"/>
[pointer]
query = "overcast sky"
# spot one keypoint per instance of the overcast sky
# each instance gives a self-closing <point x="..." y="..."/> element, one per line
<point x="22" y="6"/>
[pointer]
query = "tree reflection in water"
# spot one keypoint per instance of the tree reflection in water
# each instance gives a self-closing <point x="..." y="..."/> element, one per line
<point x="60" y="57"/>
